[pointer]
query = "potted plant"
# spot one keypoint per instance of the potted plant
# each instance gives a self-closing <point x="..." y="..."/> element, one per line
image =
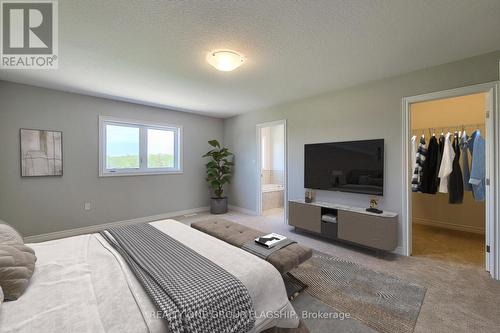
<point x="219" y="170"/>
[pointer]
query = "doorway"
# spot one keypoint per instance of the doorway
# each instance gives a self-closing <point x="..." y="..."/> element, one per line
<point x="435" y="223"/>
<point x="272" y="189"/>
<point x="448" y="222"/>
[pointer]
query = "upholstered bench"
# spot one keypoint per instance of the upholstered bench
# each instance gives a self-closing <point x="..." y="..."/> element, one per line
<point x="236" y="234"/>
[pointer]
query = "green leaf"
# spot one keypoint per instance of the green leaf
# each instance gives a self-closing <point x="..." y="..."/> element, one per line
<point x="211" y="164"/>
<point x="209" y="153"/>
<point x="214" y="143"/>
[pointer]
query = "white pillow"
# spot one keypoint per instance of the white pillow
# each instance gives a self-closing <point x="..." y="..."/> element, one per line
<point x="9" y="235"/>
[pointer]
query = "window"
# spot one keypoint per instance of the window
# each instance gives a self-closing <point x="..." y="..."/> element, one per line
<point x="130" y="147"/>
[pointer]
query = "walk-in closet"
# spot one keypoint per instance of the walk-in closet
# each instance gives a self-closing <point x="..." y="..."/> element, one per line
<point x="448" y="179"/>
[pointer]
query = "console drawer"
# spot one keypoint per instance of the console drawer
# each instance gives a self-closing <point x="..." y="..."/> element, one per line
<point x="329" y="229"/>
<point x="373" y="231"/>
<point x="304" y="216"/>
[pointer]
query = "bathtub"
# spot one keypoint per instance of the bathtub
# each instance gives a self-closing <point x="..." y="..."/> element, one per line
<point x="272" y="196"/>
<point x="271" y="188"/>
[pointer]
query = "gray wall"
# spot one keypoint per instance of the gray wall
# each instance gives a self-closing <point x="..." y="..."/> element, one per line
<point x="42" y="205"/>
<point x="369" y="111"/>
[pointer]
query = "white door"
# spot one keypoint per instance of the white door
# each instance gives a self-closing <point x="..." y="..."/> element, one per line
<point x="490" y="197"/>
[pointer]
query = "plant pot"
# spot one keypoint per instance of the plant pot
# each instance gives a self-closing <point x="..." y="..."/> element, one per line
<point x="218" y="205"/>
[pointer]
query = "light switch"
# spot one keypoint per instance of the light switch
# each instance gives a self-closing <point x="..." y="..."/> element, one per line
<point x="87" y="205"/>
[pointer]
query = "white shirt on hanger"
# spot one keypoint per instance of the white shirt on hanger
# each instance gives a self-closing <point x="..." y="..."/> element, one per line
<point x="413" y="152"/>
<point x="446" y="164"/>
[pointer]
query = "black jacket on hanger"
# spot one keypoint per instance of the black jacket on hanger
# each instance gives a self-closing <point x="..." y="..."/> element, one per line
<point x="429" y="181"/>
<point x="455" y="182"/>
<point x="440" y="156"/>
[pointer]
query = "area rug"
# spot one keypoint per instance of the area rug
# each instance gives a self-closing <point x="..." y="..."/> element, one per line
<point x="381" y="301"/>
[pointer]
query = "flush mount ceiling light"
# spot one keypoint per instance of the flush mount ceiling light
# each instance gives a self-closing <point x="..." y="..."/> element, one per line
<point x="225" y="60"/>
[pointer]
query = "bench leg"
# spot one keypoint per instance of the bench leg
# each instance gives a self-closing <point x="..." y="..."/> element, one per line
<point x="298" y="286"/>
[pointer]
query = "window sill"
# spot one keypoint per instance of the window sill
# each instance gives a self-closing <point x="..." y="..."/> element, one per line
<point x="139" y="173"/>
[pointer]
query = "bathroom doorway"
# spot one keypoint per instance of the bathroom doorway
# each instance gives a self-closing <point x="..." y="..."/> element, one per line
<point x="271" y="193"/>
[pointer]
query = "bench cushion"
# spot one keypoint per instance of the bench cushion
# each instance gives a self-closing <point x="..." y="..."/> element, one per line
<point x="236" y="234"/>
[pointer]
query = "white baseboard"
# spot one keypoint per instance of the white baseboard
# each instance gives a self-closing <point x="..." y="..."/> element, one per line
<point x="242" y="210"/>
<point x="447" y="225"/>
<point x="398" y="250"/>
<point x="100" y="227"/>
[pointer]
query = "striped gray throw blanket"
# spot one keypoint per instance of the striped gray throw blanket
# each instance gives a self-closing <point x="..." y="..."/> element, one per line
<point x="192" y="293"/>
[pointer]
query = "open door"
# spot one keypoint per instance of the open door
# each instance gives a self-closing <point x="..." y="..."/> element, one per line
<point x="490" y="195"/>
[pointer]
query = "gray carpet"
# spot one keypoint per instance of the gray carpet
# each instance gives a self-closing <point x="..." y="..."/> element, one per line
<point x="305" y="304"/>
<point x="381" y="302"/>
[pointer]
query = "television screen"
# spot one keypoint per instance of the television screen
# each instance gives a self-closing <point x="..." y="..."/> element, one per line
<point x="354" y="166"/>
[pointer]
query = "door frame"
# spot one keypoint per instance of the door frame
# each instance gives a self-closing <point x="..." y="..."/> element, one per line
<point x="259" y="127"/>
<point x="492" y="124"/>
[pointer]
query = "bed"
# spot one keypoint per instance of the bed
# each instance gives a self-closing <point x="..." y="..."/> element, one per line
<point x="81" y="284"/>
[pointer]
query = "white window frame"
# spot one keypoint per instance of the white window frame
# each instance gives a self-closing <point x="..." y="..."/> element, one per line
<point x="143" y="127"/>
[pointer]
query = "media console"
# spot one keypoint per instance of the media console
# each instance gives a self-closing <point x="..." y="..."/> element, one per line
<point x="344" y="223"/>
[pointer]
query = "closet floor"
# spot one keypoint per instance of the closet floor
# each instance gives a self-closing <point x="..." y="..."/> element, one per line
<point x="449" y="245"/>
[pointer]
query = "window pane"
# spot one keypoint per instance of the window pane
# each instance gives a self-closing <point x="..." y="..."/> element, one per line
<point x="122" y="147"/>
<point x="161" y="148"/>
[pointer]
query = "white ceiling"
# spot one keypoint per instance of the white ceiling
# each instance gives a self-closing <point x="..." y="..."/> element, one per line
<point x="153" y="52"/>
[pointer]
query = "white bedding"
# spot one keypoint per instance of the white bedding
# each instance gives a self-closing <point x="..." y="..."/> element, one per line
<point x="81" y="284"/>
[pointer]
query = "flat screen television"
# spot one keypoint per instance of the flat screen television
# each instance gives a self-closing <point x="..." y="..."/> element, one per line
<point x="353" y="166"/>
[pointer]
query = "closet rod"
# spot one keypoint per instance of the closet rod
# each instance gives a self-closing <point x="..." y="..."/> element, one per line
<point x="454" y="127"/>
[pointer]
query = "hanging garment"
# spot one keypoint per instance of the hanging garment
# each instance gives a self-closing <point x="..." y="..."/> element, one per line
<point x="440" y="157"/>
<point x="446" y="164"/>
<point x="464" y="147"/>
<point x="416" y="180"/>
<point x="478" y="171"/>
<point x="413" y="153"/>
<point x="473" y="136"/>
<point x="429" y="180"/>
<point x="470" y="144"/>
<point x="456" y="181"/>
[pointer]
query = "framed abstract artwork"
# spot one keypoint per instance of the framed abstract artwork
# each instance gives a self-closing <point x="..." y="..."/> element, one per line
<point x="41" y="153"/>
